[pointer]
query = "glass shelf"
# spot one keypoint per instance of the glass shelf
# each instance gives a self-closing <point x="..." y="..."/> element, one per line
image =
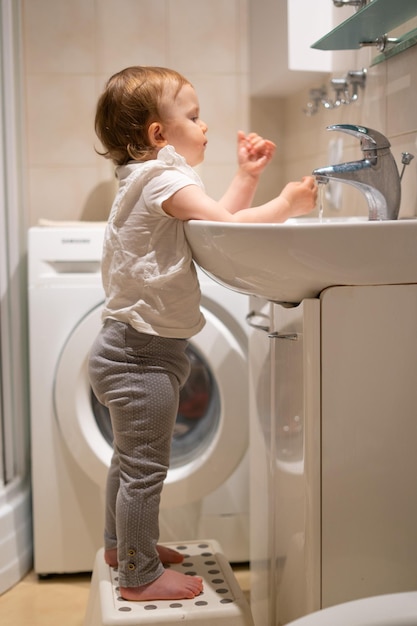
<point x="369" y="23"/>
<point x="406" y="41"/>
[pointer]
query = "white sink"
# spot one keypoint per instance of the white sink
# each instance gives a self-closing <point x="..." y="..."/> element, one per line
<point x="298" y="259"/>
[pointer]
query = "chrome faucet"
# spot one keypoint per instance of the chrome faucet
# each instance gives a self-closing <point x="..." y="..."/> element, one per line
<point x="376" y="175"/>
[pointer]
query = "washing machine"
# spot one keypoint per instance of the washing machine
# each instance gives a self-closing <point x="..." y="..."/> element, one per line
<point x="206" y="491"/>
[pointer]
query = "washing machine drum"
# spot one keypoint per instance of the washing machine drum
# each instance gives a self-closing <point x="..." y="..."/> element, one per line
<point x="211" y="430"/>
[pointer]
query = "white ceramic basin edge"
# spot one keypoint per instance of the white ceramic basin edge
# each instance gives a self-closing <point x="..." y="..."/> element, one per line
<point x="303" y="256"/>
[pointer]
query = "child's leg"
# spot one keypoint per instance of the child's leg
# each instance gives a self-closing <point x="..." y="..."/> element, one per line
<point x="166" y="555"/>
<point x="143" y="417"/>
<point x="140" y="378"/>
<point x="112" y="488"/>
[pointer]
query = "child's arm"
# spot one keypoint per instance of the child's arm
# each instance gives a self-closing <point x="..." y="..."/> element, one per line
<point x="297" y="198"/>
<point x="253" y="153"/>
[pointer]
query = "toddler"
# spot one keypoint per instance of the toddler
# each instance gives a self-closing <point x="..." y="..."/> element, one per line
<point x="148" y="121"/>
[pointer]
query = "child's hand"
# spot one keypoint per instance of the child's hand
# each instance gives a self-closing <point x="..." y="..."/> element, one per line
<point x="254" y="153"/>
<point x="301" y="196"/>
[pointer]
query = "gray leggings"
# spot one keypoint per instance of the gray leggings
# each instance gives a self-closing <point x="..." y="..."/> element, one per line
<point x="138" y="377"/>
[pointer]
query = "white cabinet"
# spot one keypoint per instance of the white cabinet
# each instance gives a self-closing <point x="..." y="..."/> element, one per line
<point x="317" y="19"/>
<point x="338" y="452"/>
<point x="280" y="57"/>
<point x="369" y="441"/>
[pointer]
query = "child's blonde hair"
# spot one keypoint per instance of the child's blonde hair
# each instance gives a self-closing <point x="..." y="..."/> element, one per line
<point x="127" y="107"/>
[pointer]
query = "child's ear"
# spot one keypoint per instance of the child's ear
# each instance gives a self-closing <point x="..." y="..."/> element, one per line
<point x="156" y="135"/>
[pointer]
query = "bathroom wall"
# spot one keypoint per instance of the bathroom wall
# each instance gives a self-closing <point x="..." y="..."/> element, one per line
<point x="71" y="47"/>
<point x="279" y="95"/>
<point x="386" y="104"/>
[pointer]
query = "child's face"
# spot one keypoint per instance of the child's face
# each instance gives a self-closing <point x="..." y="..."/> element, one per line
<point x="182" y="127"/>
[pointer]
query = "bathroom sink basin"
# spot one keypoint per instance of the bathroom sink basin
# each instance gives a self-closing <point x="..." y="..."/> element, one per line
<point x="299" y="258"/>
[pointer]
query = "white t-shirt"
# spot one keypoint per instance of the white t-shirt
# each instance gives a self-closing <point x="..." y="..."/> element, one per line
<point x="148" y="274"/>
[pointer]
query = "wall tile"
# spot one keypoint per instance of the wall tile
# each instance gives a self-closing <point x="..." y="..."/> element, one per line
<point x="203" y="36"/>
<point x="373" y="102"/>
<point x="60" y="114"/>
<point x="243" y="30"/>
<point x="220" y="103"/>
<point x="266" y="119"/>
<point x="130" y="32"/>
<point x="67" y="193"/>
<point x="58" y="36"/>
<point x="216" y="178"/>
<point x="401" y="91"/>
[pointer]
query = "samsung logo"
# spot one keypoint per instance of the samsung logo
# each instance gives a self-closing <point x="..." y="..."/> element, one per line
<point x="75" y="240"/>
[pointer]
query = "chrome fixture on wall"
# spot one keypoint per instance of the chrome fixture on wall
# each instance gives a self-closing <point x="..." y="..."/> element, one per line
<point x="358" y="4"/>
<point x="346" y="90"/>
<point x="356" y="80"/>
<point x="340" y="87"/>
<point x="406" y="159"/>
<point x="316" y="97"/>
<point x="380" y="42"/>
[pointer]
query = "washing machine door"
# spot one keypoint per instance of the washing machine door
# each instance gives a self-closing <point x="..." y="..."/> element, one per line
<point x="210" y="435"/>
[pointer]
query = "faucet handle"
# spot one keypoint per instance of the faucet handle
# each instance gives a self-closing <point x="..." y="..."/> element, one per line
<point x="370" y="139"/>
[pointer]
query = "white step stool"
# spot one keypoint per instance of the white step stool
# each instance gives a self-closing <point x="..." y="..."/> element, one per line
<point x="221" y="602"/>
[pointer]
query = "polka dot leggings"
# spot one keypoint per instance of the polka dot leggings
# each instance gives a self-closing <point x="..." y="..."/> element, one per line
<point x="138" y="377"/>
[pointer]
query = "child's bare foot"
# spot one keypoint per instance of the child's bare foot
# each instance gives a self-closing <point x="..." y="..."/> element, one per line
<point x="110" y="557"/>
<point x="171" y="585"/>
<point x="167" y="555"/>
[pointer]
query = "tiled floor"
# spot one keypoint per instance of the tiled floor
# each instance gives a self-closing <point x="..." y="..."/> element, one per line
<point x="61" y="600"/>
